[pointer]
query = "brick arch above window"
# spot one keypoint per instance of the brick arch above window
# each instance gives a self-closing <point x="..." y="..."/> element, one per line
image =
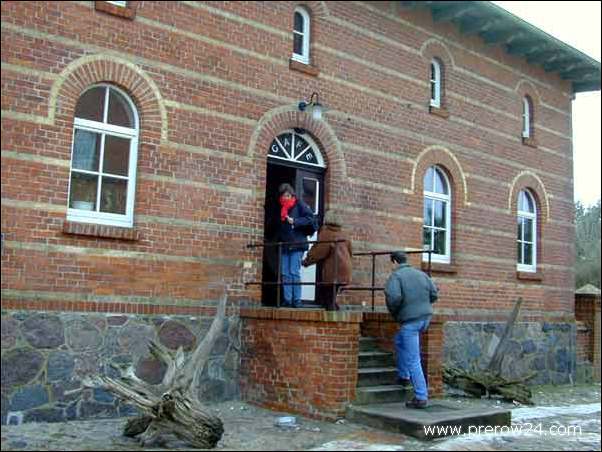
<point x="84" y="72"/>
<point x="433" y="48"/>
<point x="316" y="9"/>
<point x="528" y="180"/>
<point x="445" y="159"/>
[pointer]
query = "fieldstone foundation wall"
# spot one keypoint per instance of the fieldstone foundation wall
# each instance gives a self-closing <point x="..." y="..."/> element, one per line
<point x="45" y="355"/>
<point x="548" y="348"/>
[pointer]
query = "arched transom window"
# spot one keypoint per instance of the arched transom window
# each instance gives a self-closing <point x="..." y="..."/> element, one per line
<point x="297" y="148"/>
<point x="526" y="239"/>
<point x="436" y="229"/>
<point x="103" y="158"/>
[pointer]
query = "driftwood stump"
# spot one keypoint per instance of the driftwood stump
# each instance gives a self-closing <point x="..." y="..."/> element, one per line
<point x="489" y="381"/>
<point x="171" y="407"/>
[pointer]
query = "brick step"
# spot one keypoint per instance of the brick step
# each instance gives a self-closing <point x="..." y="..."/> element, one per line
<point x="382" y="394"/>
<point x="376" y="376"/>
<point x="368" y="344"/>
<point x="376" y="359"/>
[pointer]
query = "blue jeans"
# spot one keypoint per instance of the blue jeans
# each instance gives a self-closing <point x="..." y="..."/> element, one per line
<point x="290" y="268"/>
<point x="407" y="346"/>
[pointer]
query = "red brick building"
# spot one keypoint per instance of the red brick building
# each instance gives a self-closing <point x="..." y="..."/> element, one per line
<point x="142" y="142"/>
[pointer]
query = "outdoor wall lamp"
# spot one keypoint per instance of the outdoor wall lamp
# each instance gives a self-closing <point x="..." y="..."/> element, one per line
<point x="313" y="106"/>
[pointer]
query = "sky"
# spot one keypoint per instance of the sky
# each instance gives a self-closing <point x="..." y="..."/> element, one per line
<point x="577" y="24"/>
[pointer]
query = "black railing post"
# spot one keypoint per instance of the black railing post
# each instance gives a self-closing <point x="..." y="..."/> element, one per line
<point x="336" y="276"/>
<point x="430" y="254"/>
<point x="373" y="278"/>
<point x="279" y="287"/>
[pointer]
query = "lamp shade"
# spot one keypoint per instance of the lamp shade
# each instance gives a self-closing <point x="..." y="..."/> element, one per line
<point x="316" y="111"/>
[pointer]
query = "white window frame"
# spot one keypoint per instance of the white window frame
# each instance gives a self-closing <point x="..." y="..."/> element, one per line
<point x="447" y="199"/>
<point x="104" y="218"/>
<point x="304" y="57"/>
<point x="120" y="4"/>
<point x="526" y="117"/>
<point x="531" y="216"/>
<point x="436" y="81"/>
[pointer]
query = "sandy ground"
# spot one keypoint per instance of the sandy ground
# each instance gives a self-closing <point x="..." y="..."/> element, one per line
<point x="565" y="418"/>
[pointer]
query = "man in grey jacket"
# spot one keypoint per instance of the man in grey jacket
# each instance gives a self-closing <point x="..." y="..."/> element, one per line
<point x="409" y="294"/>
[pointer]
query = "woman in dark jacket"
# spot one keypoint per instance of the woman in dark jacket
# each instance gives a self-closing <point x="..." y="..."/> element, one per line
<point x="337" y="273"/>
<point x="294" y="216"/>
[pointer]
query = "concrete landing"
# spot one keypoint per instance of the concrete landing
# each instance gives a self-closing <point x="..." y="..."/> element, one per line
<point x="428" y="423"/>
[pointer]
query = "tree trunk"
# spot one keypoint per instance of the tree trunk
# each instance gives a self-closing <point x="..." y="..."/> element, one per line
<point x="171" y="407"/>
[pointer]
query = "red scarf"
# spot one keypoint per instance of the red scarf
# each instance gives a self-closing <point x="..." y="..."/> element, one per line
<point x="287" y="204"/>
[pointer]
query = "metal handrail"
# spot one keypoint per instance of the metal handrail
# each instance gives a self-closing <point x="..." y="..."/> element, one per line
<point x="334" y="284"/>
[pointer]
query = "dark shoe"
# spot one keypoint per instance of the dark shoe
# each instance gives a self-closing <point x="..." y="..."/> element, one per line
<point x="415" y="403"/>
<point x="298" y="305"/>
<point x="286" y="305"/>
<point x="405" y="383"/>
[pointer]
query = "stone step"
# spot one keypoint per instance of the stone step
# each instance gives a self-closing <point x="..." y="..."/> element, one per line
<point x="395" y="417"/>
<point x="376" y="376"/>
<point x="382" y="394"/>
<point x="376" y="359"/>
<point x="368" y="344"/>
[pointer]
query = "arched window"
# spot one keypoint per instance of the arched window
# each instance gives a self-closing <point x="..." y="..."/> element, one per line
<point x="527" y="232"/>
<point x="435" y="83"/>
<point x="527" y="117"/>
<point x="301" y="35"/>
<point x="103" y="158"/>
<point x="436" y="230"/>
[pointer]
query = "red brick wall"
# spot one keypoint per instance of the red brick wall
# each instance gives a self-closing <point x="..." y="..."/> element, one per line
<point x="300" y="361"/>
<point x="382" y="327"/>
<point x="585" y="314"/>
<point x="213" y="90"/>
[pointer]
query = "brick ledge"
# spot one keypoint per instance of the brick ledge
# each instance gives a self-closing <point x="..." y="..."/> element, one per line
<point x="527" y="276"/>
<point x="100" y="230"/>
<point x="127" y="12"/>
<point x="302" y="67"/>
<point x="303" y="315"/>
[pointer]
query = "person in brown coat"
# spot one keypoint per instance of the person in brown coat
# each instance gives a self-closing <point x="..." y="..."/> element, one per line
<point x="339" y="273"/>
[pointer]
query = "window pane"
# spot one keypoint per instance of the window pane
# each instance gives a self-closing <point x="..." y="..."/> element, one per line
<point x="116" y="156"/>
<point x="426" y="238"/>
<point x="440" y="237"/>
<point x="519" y="229"/>
<point x="528" y="258"/>
<point x="440" y="218"/>
<point x="300" y="145"/>
<point x="297" y="44"/>
<point x="86" y="150"/>
<point x="528" y="230"/>
<point x="432" y="90"/>
<point x="529" y="203"/>
<point x="91" y="104"/>
<point x="83" y="191"/>
<point x="428" y="212"/>
<point x="119" y="111"/>
<point x="433" y="72"/>
<point x="440" y="184"/>
<point x="519" y="252"/>
<point x="428" y="179"/>
<point x="299" y="22"/>
<point x="113" y="195"/>
<point x="310" y="188"/>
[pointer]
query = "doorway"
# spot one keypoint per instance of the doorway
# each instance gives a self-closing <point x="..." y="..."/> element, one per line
<point x="287" y="163"/>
